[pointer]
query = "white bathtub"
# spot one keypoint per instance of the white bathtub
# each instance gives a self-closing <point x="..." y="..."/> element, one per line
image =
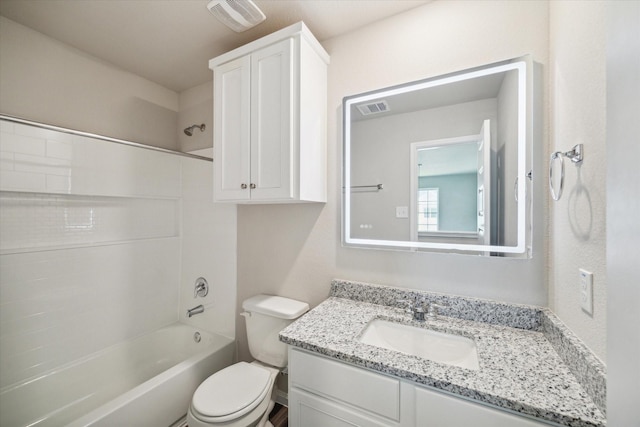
<point x="147" y="381"/>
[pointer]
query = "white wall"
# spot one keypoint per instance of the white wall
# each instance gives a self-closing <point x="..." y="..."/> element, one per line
<point x="577" y="115"/>
<point x="623" y="201"/>
<point x="47" y="81"/>
<point x="295" y="250"/>
<point x="196" y="107"/>
<point x="208" y="249"/>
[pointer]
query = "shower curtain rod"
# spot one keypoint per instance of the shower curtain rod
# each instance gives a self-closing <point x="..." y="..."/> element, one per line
<point x="100" y="137"/>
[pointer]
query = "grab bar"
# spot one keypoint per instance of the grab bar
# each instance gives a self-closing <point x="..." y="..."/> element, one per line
<point x="576" y="155"/>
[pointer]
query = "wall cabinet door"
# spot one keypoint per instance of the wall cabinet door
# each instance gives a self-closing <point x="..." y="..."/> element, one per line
<point x="270" y="120"/>
<point x="232" y="101"/>
<point x="252" y="126"/>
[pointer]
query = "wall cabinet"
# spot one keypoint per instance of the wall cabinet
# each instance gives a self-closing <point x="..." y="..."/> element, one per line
<point x="270" y="108"/>
<point x="326" y="393"/>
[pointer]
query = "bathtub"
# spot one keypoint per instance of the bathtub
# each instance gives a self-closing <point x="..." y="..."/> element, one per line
<point x="147" y="381"/>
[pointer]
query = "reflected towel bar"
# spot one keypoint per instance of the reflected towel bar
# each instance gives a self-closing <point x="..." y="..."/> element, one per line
<point x="376" y="186"/>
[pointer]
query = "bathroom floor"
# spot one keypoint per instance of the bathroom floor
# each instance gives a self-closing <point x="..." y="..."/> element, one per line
<point x="279" y="416"/>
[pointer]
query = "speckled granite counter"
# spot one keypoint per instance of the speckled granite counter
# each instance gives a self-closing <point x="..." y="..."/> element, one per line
<point x="520" y="351"/>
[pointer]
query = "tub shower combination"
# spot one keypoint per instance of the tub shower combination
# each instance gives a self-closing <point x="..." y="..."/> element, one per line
<point x="143" y="382"/>
<point x="89" y="299"/>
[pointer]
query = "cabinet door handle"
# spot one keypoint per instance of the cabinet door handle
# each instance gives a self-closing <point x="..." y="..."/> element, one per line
<point x="252" y="186"/>
<point x="243" y="186"/>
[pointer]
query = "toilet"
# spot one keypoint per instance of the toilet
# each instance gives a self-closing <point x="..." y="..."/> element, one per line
<point x="243" y="394"/>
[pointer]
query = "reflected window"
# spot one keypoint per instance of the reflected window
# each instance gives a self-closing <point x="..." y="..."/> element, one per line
<point x="427" y="209"/>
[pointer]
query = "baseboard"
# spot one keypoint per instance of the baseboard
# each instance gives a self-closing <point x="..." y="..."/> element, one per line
<point x="282" y="398"/>
<point x="182" y="422"/>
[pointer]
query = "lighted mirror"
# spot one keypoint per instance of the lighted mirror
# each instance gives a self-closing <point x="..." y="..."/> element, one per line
<point x="441" y="164"/>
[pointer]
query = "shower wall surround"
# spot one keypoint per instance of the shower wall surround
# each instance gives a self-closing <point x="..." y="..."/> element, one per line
<point x="45" y="221"/>
<point x="46" y="161"/>
<point x="92" y="247"/>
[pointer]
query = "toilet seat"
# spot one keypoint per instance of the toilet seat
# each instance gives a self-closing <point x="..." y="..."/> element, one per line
<point x="231" y="392"/>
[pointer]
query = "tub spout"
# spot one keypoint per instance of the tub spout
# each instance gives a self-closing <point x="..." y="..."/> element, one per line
<point x="195" y="310"/>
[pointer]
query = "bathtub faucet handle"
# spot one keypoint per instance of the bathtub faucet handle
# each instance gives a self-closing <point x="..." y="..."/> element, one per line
<point x="201" y="288"/>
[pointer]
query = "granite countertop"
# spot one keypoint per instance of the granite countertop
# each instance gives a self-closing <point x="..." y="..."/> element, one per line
<point x="520" y="369"/>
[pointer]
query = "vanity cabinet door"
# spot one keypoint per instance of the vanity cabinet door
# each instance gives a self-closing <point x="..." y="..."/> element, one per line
<point x="359" y="388"/>
<point x="308" y="410"/>
<point x="435" y="409"/>
<point x="325" y="392"/>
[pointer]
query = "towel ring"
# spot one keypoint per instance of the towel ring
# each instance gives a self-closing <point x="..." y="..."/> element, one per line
<point x="576" y="155"/>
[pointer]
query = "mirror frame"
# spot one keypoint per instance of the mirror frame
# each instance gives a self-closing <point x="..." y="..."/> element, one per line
<point x="524" y="66"/>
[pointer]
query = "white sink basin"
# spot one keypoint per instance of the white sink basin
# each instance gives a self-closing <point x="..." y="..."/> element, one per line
<point x="440" y="347"/>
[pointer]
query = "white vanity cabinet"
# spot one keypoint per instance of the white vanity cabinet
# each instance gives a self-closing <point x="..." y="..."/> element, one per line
<point x="434" y="408"/>
<point x="327" y="393"/>
<point x="270" y="107"/>
<point x="324" y="392"/>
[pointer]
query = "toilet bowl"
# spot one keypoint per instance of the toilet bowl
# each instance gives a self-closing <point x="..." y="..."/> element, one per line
<point x="243" y="394"/>
<point x="238" y="396"/>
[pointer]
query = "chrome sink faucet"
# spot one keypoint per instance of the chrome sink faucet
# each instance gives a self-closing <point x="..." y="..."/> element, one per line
<point x="417" y="309"/>
<point x="422" y="310"/>
<point x="432" y="312"/>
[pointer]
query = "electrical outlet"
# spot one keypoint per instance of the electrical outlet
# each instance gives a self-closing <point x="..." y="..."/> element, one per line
<point x="586" y="291"/>
<point x="402" y="211"/>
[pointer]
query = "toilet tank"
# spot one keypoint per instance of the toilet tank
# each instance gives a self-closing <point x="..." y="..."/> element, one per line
<point x="266" y="316"/>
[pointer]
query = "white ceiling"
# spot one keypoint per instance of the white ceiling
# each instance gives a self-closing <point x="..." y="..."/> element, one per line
<point x="171" y="41"/>
<point x="468" y="90"/>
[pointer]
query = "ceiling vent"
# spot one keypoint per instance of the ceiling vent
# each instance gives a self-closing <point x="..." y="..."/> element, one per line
<point x="373" y="107"/>
<point x="239" y="15"/>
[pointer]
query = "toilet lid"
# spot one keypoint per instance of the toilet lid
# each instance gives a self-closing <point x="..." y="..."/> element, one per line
<point x="234" y="391"/>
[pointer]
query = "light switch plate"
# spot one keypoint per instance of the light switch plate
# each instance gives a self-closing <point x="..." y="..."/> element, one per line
<point x="586" y="291"/>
